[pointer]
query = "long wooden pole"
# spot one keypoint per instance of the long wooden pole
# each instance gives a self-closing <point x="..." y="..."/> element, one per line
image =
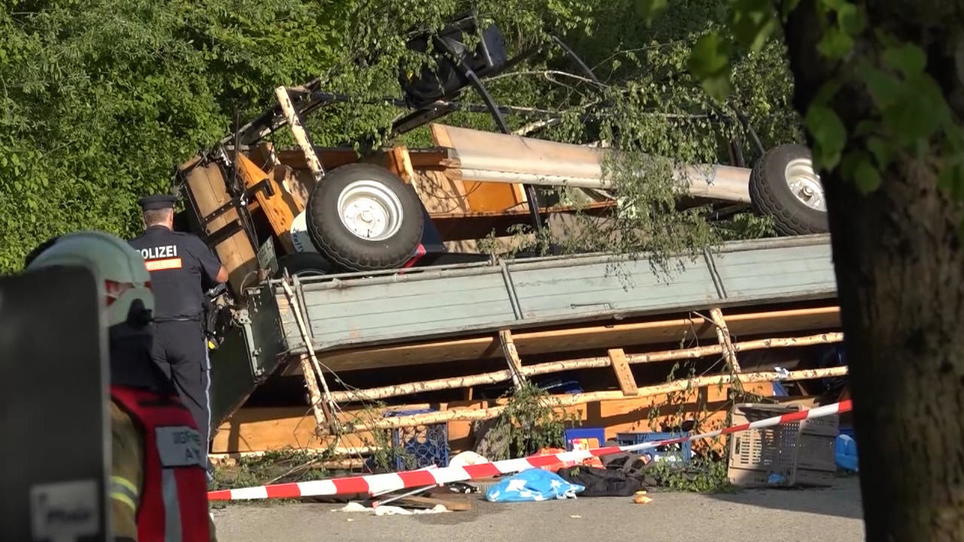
<point x="328" y="405"/>
<point x="493" y="377"/>
<point x="723" y="335"/>
<point x="582" y="398"/>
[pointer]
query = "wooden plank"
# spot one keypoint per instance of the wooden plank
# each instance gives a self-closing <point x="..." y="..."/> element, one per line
<point x="624" y="375"/>
<point x="409" y="388"/>
<point x="261" y="429"/>
<point x="209" y="193"/>
<point x="584" y="398"/>
<point x="433" y="158"/>
<point x="723" y="336"/>
<point x="455" y="502"/>
<point x="579" y="339"/>
<point x="299" y="132"/>
<point x="511" y="357"/>
<point x="314" y="394"/>
<point x="278" y="428"/>
<point x="397" y="161"/>
<point x="440" y="135"/>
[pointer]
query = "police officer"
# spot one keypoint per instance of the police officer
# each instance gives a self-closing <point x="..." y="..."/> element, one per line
<point x="181" y="265"/>
<point x="157" y="487"/>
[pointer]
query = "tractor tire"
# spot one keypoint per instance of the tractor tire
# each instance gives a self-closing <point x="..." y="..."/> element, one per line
<point x="362" y="217"/>
<point x="304" y="264"/>
<point x="784" y="185"/>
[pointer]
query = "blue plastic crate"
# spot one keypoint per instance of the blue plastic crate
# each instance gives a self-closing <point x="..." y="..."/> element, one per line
<point x="429" y="447"/>
<point x="671" y="453"/>
<point x="597" y="433"/>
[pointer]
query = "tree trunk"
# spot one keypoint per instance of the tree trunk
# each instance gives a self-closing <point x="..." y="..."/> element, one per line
<point x="900" y="277"/>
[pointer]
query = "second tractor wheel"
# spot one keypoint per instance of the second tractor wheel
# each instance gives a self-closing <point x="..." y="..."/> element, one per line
<point x="785" y="186"/>
<point x="364" y="218"/>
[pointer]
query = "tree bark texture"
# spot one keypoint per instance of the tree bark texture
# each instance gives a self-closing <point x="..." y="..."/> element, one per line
<point x="900" y="278"/>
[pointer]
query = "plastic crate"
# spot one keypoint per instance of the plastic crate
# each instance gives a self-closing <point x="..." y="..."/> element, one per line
<point x="423" y="445"/>
<point x="592" y="437"/>
<point x="673" y="452"/>
<point x="789" y="454"/>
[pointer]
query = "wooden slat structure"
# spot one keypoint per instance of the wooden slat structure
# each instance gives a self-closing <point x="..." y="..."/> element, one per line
<point x="575" y="338"/>
<point x="256" y="429"/>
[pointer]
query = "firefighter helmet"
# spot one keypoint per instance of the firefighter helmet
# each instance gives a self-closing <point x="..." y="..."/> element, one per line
<point x="116" y="266"/>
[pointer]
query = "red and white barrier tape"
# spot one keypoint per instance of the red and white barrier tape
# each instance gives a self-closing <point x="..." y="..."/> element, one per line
<point x="382" y="483"/>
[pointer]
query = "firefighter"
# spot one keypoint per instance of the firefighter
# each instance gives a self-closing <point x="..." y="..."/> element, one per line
<point x="158" y="487"/>
<point x="180" y="265"/>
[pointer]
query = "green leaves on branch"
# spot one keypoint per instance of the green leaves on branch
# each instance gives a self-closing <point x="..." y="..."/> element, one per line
<point x="910" y="114"/>
<point x="829" y="135"/>
<point x="752" y="22"/>
<point x="839" y="35"/>
<point x="710" y="63"/>
<point x="649" y="9"/>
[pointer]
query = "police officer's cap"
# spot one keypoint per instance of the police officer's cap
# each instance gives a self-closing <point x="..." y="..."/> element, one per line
<point x="160" y="201"/>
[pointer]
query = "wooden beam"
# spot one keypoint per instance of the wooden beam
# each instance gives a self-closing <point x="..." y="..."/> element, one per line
<point x="433" y="158"/>
<point x="559" y="401"/>
<point x="624" y="375"/>
<point x="291" y="428"/>
<point x="723" y="335"/>
<point x="207" y="188"/>
<point x="579" y="338"/>
<point x="312" y="370"/>
<point x="511" y="357"/>
<point x="299" y="132"/>
<point x="314" y="394"/>
<point x="395" y="390"/>
<point x="398" y="161"/>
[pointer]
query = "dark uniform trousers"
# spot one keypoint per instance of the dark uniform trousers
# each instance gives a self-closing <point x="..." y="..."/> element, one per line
<point x="180" y="350"/>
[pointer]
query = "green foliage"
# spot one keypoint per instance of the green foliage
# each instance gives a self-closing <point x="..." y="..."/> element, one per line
<point x="700" y="476"/>
<point x="528" y="423"/>
<point x="102" y="98"/>
<point x="710" y="61"/>
<point x="911" y="118"/>
<point x="829" y="135"/>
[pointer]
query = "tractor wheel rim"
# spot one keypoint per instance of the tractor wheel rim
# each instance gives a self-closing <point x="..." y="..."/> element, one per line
<point x="369" y="210"/>
<point x="804" y="183"/>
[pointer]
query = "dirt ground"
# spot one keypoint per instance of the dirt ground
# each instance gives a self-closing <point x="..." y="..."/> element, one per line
<point x="828" y="515"/>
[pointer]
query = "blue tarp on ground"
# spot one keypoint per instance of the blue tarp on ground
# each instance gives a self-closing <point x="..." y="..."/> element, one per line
<point x="532" y="485"/>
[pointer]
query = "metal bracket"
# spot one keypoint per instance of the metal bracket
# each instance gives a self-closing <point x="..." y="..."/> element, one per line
<point x="254" y="352"/>
<point x="510" y="289"/>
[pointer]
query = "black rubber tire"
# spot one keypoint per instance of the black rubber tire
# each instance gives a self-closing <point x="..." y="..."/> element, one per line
<point x="344" y="248"/>
<point x="305" y="264"/>
<point x="771" y="196"/>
